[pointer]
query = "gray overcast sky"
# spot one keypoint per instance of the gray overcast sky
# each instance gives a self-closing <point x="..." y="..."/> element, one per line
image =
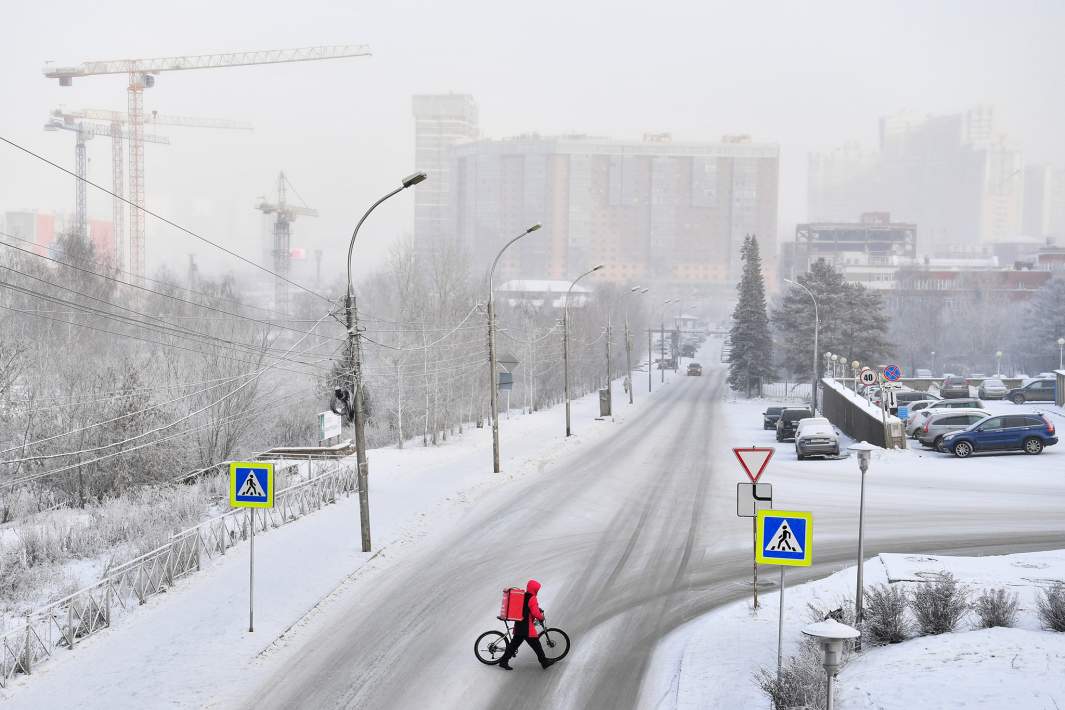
<point x="806" y="75"/>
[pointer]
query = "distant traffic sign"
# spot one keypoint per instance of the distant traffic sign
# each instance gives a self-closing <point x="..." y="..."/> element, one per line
<point x="892" y="373"/>
<point x="904" y="412"/>
<point x="754" y="460"/>
<point x="784" y="538"/>
<point x="752" y="497"/>
<point x="251" y="485"/>
<point x="867" y="377"/>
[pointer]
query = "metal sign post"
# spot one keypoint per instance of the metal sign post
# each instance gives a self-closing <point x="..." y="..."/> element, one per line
<point x="783" y="538"/>
<point x="251" y="485"/>
<point x="754" y="460"/>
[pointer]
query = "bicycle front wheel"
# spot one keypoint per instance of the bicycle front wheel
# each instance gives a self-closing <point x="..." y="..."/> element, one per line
<point x="555" y="643"/>
<point x="489" y="647"/>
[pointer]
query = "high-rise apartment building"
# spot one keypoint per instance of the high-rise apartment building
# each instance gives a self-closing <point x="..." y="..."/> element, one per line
<point x="440" y="121"/>
<point x="650" y="211"/>
<point x="955" y="176"/>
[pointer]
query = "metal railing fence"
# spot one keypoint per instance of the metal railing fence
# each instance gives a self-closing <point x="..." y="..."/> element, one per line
<point x="63" y="623"/>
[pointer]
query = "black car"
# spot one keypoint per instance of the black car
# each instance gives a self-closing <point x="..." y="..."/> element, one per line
<point x="770" y="417"/>
<point x="1034" y="391"/>
<point x="789" y="420"/>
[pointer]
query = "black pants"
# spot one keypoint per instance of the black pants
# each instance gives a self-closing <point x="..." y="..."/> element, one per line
<point x="516" y="640"/>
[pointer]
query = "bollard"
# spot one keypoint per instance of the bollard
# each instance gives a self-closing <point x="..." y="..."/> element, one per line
<point x="831" y="634"/>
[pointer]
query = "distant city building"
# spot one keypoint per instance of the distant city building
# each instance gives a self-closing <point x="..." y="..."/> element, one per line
<point x="650" y="211"/>
<point x="541" y="293"/>
<point x="43" y="229"/>
<point x="868" y="252"/>
<point x="956" y="176"/>
<point x="440" y="121"/>
<point x="1039" y="200"/>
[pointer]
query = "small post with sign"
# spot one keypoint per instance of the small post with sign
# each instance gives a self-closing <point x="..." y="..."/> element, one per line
<point x="783" y="538"/>
<point x="251" y="485"/>
<point x="754" y="460"/>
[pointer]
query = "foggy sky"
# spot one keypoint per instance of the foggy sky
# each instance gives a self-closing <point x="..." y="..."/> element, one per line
<point x="806" y="75"/>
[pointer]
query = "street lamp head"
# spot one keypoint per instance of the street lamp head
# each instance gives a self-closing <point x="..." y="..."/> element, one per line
<point x="856" y="364"/>
<point x="634" y="289"/>
<point x="865" y="452"/>
<point x="998" y="354"/>
<point x="533" y="228"/>
<point x="414" y="178"/>
<point x="597" y="267"/>
<point x="644" y="290"/>
<point x="1061" y="342"/>
<point x="835" y="358"/>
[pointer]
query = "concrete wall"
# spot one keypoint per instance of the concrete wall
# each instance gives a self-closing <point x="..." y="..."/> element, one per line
<point x="856" y="418"/>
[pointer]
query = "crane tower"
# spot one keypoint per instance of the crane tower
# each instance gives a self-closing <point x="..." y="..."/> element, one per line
<point x="282" y="243"/>
<point x="141" y="75"/>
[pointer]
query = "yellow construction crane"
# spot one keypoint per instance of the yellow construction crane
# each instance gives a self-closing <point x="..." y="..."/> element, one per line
<point x="286" y="214"/>
<point x="117" y="120"/>
<point x="142" y="73"/>
<point x="83" y="132"/>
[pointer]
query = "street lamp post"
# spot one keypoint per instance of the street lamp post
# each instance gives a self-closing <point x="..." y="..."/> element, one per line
<point x="998" y="362"/>
<point x="854" y="367"/>
<point x="628" y="344"/>
<point x="817" y="327"/>
<point x="864" y="451"/>
<point x="1061" y="351"/>
<point x="565" y="340"/>
<point x="835" y="365"/>
<point x="492" y="384"/>
<point x="354" y="357"/>
<point x="933" y="363"/>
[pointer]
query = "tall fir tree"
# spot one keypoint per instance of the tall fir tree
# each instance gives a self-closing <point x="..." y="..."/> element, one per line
<point x="853" y="320"/>
<point x="1044" y="323"/>
<point x="751" y="356"/>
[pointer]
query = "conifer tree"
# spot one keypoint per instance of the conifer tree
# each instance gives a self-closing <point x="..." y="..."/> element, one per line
<point x="751" y="356"/>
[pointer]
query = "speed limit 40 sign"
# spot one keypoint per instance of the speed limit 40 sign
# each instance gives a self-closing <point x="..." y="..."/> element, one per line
<point x="867" y="377"/>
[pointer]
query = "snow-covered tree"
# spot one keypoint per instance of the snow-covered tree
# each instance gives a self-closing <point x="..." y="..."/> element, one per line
<point x="751" y="356"/>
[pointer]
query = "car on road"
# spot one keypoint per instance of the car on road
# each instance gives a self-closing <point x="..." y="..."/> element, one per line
<point x="954" y="386"/>
<point x="687" y="350"/>
<point x="789" y="420"/>
<point x="816" y="437"/>
<point x="926" y="374"/>
<point x="1042" y="390"/>
<point x="770" y="417"/>
<point x="992" y="388"/>
<point x="695" y="369"/>
<point x="1030" y="433"/>
<point x="942" y="422"/>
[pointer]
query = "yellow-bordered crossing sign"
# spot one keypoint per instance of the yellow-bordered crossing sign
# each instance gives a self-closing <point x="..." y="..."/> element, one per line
<point x="784" y="537"/>
<point x="251" y="484"/>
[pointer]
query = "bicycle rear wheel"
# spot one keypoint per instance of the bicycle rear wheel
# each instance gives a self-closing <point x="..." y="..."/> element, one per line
<point x="555" y="643"/>
<point x="489" y="647"/>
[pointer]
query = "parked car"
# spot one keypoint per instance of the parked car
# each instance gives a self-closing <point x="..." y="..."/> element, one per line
<point x="907" y="397"/>
<point x="1029" y="433"/>
<point x="789" y="419"/>
<point x="942" y="422"/>
<point x="770" y="417"/>
<point x="808" y="422"/>
<point x="977" y="376"/>
<point x="954" y="386"/>
<point x="916" y="407"/>
<point x="919" y="372"/>
<point x="695" y="369"/>
<point x="1042" y="390"/>
<point x="1047" y="375"/>
<point x="917" y="420"/>
<point x="816" y="437"/>
<point x="992" y="388"/>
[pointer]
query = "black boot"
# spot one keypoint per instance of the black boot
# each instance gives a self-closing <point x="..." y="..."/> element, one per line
<point x="505" y="666"/>
<point x="547" y="664"/>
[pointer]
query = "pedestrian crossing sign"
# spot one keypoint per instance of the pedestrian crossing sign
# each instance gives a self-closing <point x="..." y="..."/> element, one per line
<point x="251" y="485"/>
<point x="784" y="538"/>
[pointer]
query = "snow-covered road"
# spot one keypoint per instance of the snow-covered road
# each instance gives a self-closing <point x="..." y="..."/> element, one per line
<point x="632" y="537"/>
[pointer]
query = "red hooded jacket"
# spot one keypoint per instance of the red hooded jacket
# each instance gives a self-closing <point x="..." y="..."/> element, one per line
<point x="530" y="611"/>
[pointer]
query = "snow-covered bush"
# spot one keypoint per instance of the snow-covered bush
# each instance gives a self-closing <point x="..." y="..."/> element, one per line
<point x="996" y="607"/>
<point x="939" y="605"/>
<point x="1052" y="607"/>
<point x="884" y="617"/>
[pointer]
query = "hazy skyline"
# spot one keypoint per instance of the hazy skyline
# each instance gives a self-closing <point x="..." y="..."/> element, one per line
<point x="808" y="77"/>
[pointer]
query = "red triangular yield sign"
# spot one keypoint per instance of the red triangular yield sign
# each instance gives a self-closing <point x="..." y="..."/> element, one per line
<point x="754" y="460"/>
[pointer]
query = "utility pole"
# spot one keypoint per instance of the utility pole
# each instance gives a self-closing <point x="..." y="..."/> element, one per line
<point x="650" y="356"/>
<point x="609" y="386"/>
<point x="565" y="341"/>
<point x="662" y="347"/>
<point x="628" y="357"/>
<point x="355" y="358"/>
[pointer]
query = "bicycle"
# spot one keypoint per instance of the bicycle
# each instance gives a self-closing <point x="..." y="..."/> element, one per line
<point x="490" y="645"/>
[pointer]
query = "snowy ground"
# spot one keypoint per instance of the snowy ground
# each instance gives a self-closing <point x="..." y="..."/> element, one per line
<point x="713" y="660"/>
<point x="198" y="632"/>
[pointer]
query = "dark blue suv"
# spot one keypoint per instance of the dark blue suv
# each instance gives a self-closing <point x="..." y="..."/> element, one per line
<point x="1029" y="433"/>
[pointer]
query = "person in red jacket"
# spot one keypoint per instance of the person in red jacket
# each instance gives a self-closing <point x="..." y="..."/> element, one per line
<point x="524" y="630"/>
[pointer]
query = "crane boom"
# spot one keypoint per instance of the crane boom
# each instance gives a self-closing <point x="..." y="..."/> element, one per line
<point x="157" y="119"/>
<point x="208" y="61"/>
<point x="99" y="129"/>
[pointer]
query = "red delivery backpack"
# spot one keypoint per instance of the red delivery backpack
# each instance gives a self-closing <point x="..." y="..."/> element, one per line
<point x="513" y="601"/>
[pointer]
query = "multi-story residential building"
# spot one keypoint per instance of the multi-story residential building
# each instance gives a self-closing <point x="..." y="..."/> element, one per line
<point x="43" y="229"/>
<point x="956" y="176"/>
<point x="653" y="210"/>
<point x="869" y="251"/>
<point x="440" y="121"/>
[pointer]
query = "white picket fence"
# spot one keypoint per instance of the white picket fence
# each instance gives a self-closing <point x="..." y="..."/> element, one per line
<point x="64" y="623"/>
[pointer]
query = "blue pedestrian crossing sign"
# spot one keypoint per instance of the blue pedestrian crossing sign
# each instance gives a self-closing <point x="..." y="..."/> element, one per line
<point x="251" y="484"/>
<point x="784" y="538"/>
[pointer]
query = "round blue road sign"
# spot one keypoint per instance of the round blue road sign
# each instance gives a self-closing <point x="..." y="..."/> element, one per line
<point x="892" y="373"/>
